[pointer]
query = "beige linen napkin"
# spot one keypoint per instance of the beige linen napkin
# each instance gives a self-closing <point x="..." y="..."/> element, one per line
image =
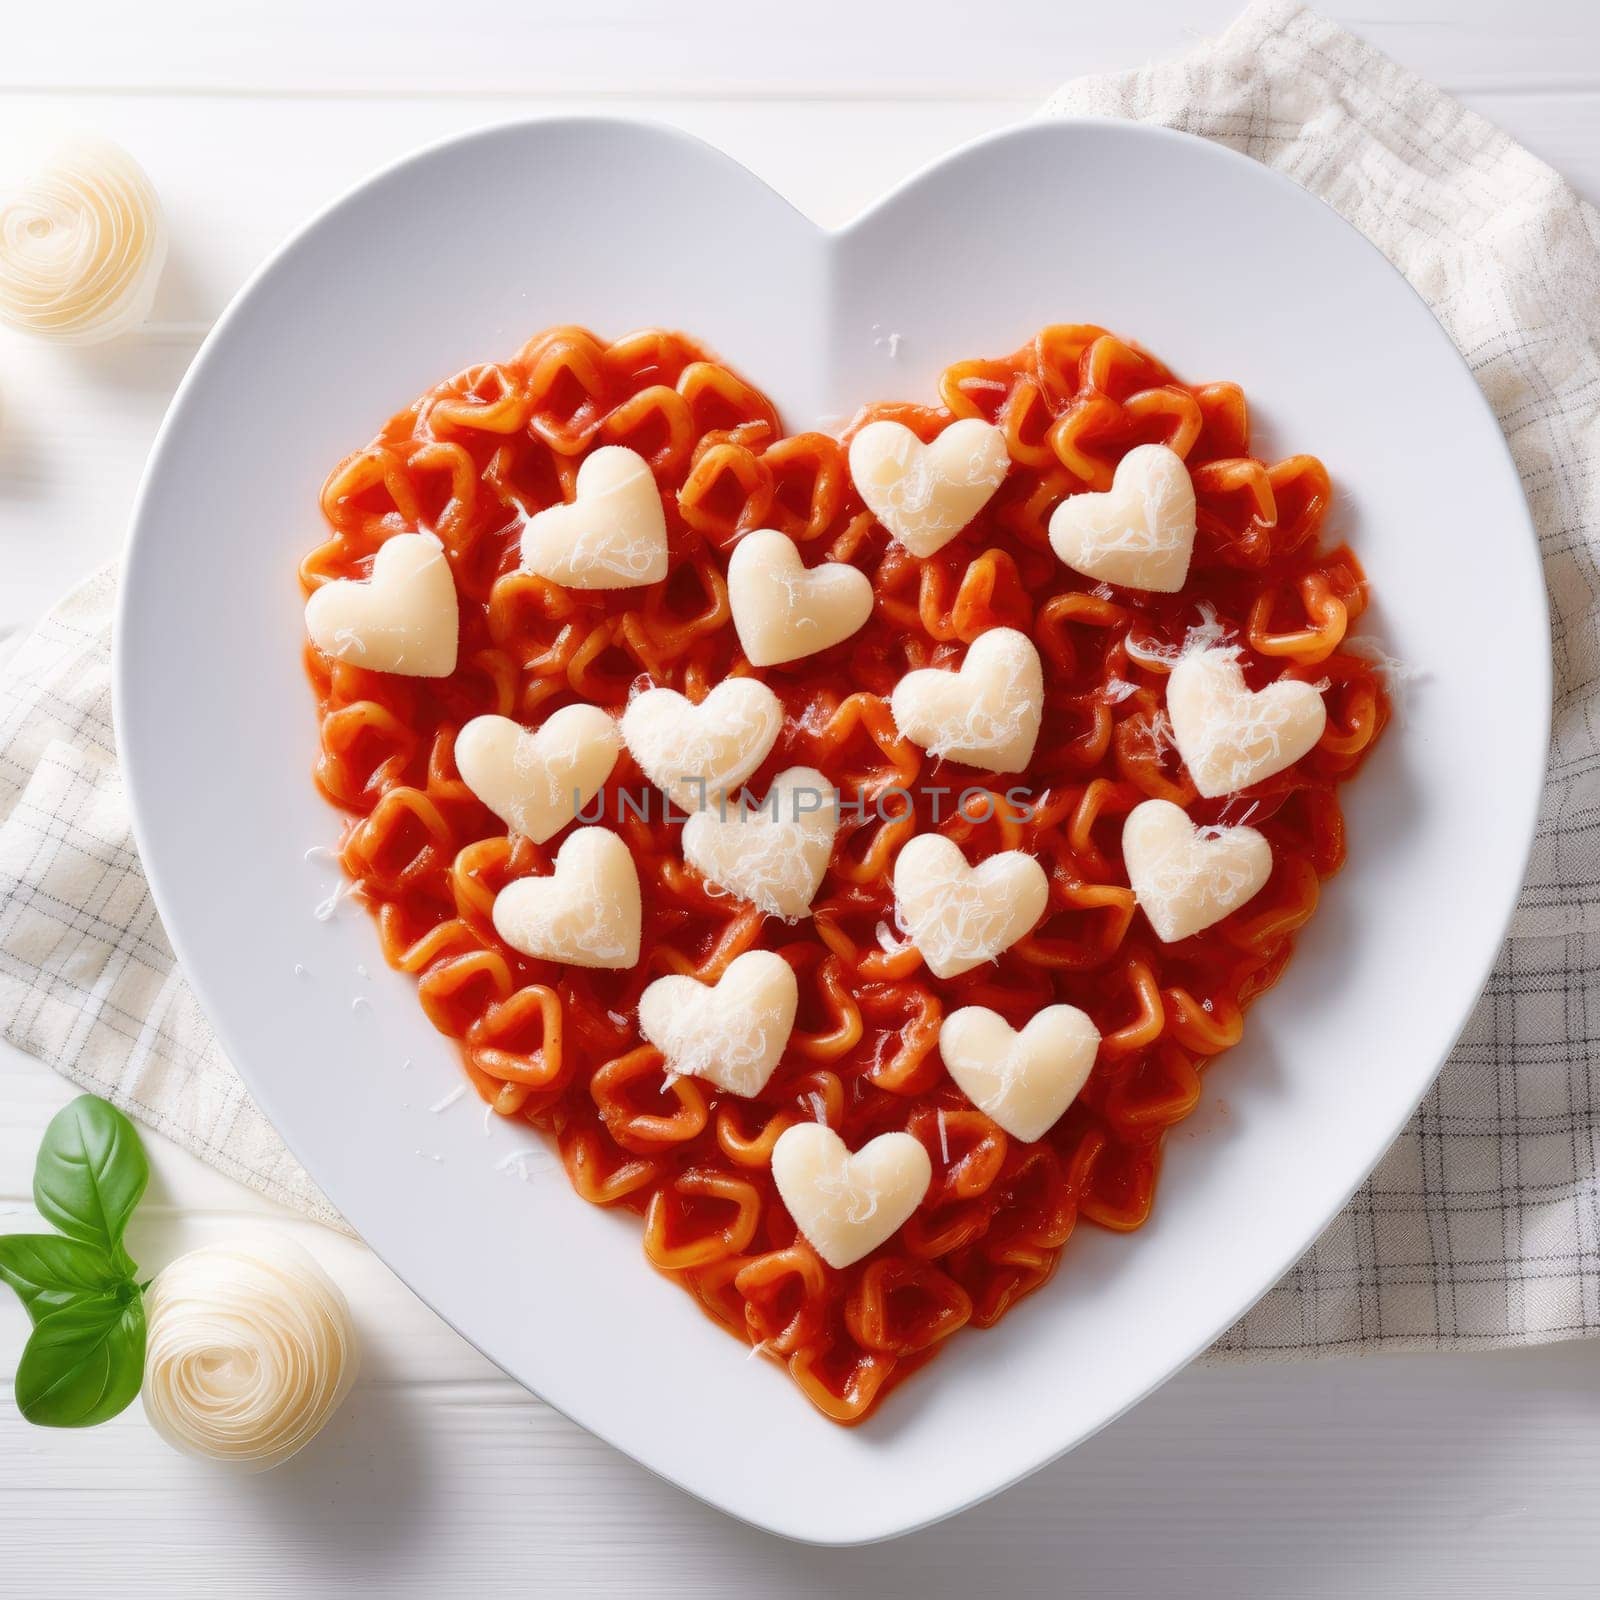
<point x="1482" y="1225"/>
<point x="87" y="978"/>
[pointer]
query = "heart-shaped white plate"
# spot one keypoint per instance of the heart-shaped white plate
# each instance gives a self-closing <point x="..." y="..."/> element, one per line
<point x="1285" y="300"/>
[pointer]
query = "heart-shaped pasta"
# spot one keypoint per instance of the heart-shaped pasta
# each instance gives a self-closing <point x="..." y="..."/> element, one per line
<point x="925" y="494"/>
<point x="784" y="610"/>
<point x="732" y="1032"/>
<point x="1139" y="534"/>
<point x="612" y="536"/>
<point x="401" y="620"/>
<point x="1231" y="736"/>
<point x="698" y="753"/>
<point x="987" y="714"/>
<point x="773" y="854"/>
<point x="960" y="916"/>
<point x="536" y="780"/>
<point x="586" y="912"/>
<point x="848" y="1204"/>
<point x="1186" y="878"/>
<point x="1023" y="1079"/>
<point x="834" y="1037"/>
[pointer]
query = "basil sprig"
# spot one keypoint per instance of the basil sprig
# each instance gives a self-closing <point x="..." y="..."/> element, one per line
<point x="84" y="1360"/>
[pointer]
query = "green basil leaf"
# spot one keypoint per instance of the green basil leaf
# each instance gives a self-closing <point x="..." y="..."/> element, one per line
<point x="49" y="1272"/>
<point x="90" y="1173"/>
<point x="83" y="1362"/>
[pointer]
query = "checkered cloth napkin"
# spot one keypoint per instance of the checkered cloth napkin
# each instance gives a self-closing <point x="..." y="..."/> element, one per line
<point x="1482" y="1225"/>
<point x="87" y="979"/>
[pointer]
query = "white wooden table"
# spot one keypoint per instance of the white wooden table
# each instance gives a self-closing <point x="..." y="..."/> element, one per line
<point x="1450" y="1475"/>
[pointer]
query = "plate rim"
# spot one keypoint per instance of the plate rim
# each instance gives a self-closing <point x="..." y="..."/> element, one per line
<point x="139" y="537"/>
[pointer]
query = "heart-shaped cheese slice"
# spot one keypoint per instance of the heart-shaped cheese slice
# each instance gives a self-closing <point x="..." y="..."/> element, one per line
<point x="1024" y="1081"/>
<point x="845" y="1204"/>
<point x="987" y="714"/>
<point x="696" y="753"/>
<point x="402" y="619"/>
<point x="1140" y="532"/>
<point x="960" y="916"/>
<point x="1231" y="736"/>
<point x="612" y="536"/>
<point x="774" y="854"/>
<point x="925" y="494"/>
<point x="783" y="610"/>
<point x="1186" y="878"/>
<point x="732" y="1032"/>
<point x="586" y="913"/>
<point x="536" y="780"/>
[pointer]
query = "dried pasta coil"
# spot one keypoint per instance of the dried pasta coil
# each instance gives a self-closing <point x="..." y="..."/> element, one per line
<point x="250" y="1350"/>
<point x="82" y="244"/>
